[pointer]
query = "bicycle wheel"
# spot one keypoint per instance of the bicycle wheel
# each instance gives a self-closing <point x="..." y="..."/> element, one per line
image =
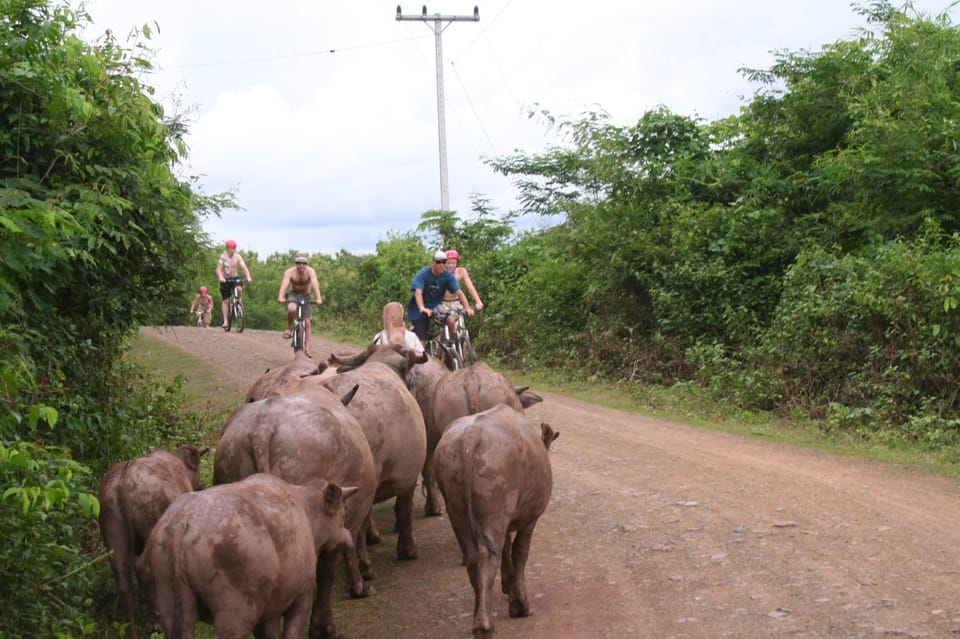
<point x="466" y="349"/>
<point x="238" y="317"/>
<point x="299" y="337"/>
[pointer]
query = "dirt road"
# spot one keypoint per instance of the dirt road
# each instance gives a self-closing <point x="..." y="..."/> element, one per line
<point x="658" y="529"/>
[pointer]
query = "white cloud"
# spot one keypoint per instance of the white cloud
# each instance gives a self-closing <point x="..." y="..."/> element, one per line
<point x="323" y="116"/>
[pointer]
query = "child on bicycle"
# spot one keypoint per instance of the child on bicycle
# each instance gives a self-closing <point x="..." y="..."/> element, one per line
<point x="300" y="279"/>
<point x="205" y="302"/>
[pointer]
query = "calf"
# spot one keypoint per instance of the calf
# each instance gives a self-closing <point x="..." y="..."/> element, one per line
<point x="494" y="473"/>
<point x="133" y="496"/>
<point x="243" y="553"/>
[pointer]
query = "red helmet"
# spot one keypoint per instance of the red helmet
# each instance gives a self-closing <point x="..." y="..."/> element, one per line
<point x="203" y="289"/>
<point x="231" y="244"/>
<point x="453" y="255"/>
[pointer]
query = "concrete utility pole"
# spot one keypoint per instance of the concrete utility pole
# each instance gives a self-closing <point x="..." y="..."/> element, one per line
<point x="441" y="116"/>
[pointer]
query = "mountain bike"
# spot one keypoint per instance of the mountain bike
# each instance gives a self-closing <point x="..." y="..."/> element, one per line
<point x="440" y="343"/>
<point x="462" y="336"/>
<point x="298" y="334"/>
<point x="235" y="306"/>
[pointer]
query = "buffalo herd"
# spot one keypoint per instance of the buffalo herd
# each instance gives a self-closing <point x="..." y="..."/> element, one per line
<point x="296" y="472"/>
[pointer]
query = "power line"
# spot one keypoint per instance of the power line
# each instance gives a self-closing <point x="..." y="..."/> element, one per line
<point x="306" y="54"/>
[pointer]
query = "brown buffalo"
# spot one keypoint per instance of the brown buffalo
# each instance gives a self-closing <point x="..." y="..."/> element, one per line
<point x="393" y="425"/>
<point x="495" y="476"/>
<point x="422" y="380"/>
<point x="466" y="392"/>
<point x="301" y="437"/>
<point x="243" y="556"/>
<point x="133" y="496"/>
<point x="273" y="380"/>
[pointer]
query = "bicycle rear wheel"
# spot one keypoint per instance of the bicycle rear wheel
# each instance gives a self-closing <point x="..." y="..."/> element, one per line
<point x="466" y="349"/>
<point x="238" y="317"/>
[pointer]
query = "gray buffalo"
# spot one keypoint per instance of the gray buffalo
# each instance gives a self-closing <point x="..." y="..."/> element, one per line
<point x="393" y="425"/>
<point x="300" y="437"/>
<point x="243" y="556"/>
<point x="466" y="392"/>
<point x="494" y="473"/>
<point x="275" y="379"/>
<point x="133" y="496"/>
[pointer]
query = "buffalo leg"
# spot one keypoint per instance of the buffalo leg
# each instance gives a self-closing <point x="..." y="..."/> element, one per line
<point x="519" y="606"/>
<point x="321" y="622"/>
<point x="403" y="510"/>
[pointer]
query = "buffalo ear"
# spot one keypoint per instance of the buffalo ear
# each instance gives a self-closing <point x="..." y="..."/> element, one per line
<point x="332" y="495"/>
<point x="348" y="396"/>
<point x="527" y="397"/>
<point x="547" y="434"/>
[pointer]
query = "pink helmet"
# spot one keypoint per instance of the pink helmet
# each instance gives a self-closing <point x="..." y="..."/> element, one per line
<point x="231" y="244"/>
<point x="203" y="289"/>
<point x="453" y="255"/>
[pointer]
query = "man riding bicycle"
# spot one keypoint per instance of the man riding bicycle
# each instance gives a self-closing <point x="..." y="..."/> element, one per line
<point x="428" y="286"/>
<point x="228" y="266"/>
<point x="300" y="279"/>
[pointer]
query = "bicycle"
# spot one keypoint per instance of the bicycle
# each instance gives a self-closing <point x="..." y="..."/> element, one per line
<point x="235" y="306"/>
<point x="441" y="344"/>
<point x="298" y="335"/>
<point x="464" y="344"/>
<point x="199" y="313"/>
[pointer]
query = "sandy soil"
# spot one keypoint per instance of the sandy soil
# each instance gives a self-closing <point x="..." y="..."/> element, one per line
<point x="659" y="529"/>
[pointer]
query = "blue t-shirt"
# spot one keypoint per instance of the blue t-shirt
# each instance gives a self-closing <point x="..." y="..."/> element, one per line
<point x="433" y="287"/>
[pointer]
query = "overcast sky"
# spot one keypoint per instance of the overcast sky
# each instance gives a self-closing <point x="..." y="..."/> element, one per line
<point x="322" y="116"/>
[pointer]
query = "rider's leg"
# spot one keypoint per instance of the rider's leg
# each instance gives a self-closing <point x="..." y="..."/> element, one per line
<point x="291" y="312"/>
<point x="306" y="342"/>
<point x="223" y="309"/>
<point x="452" y="324"/>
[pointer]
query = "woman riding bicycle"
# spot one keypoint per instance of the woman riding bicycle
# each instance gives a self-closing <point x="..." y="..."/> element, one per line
<point x="300" y="279"/>
<point x="451" y="302"/>
<point x="227" y="269"/>
<point x="205" y="302"/>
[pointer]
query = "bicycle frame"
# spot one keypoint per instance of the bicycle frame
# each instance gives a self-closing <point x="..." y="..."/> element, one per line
<point x="235" y="313"/>
<point x="199" y="315"/>
<point x="298" y="336"/>
<point x="441" y="344"/>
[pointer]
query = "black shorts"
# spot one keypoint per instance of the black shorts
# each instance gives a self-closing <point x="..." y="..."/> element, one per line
<point x="226" y="287"/>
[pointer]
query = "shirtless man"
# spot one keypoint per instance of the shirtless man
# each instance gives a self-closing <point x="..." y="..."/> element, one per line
<point x="452" y="301"/>
<point x="227" y="269"/>
<point x="300" y="279"/>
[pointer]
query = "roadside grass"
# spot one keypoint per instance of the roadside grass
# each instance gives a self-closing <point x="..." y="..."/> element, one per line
<point x="688" y="404"/>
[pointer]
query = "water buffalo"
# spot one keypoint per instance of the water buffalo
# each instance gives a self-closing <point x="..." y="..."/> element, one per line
<point x="133" y="496"/>
<point x="274" y="379"/>
<point x="422" y="380"/>
<point x="243" y="556"/>
<point x="494" y="473"/>
<point x="466" y="392"/>
<point x="394" y="427"/>
<point x="300" y="437"/>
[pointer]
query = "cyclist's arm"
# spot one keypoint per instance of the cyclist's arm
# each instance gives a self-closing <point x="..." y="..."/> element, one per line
<point x="316" y="288"/>
<point x="473" y="291"/>
<point x="246" y="271"/>
<point x="194" y="303"/>
<point x="418" y="298"/>
<point x="281" y="296"/>
<point x="220" y="272"/>
<point x="463" y="300"/>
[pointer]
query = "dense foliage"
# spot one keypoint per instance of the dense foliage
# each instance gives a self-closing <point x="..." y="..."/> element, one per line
<point x="95" y="227"/>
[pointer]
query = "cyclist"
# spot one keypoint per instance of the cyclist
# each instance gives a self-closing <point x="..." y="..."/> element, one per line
<point x="227" y="269"/>
<point x="429" y="286"/>
<point x="300" y="279"/>
<point x="451" y="301"/>
<point x="206" y="305"/>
